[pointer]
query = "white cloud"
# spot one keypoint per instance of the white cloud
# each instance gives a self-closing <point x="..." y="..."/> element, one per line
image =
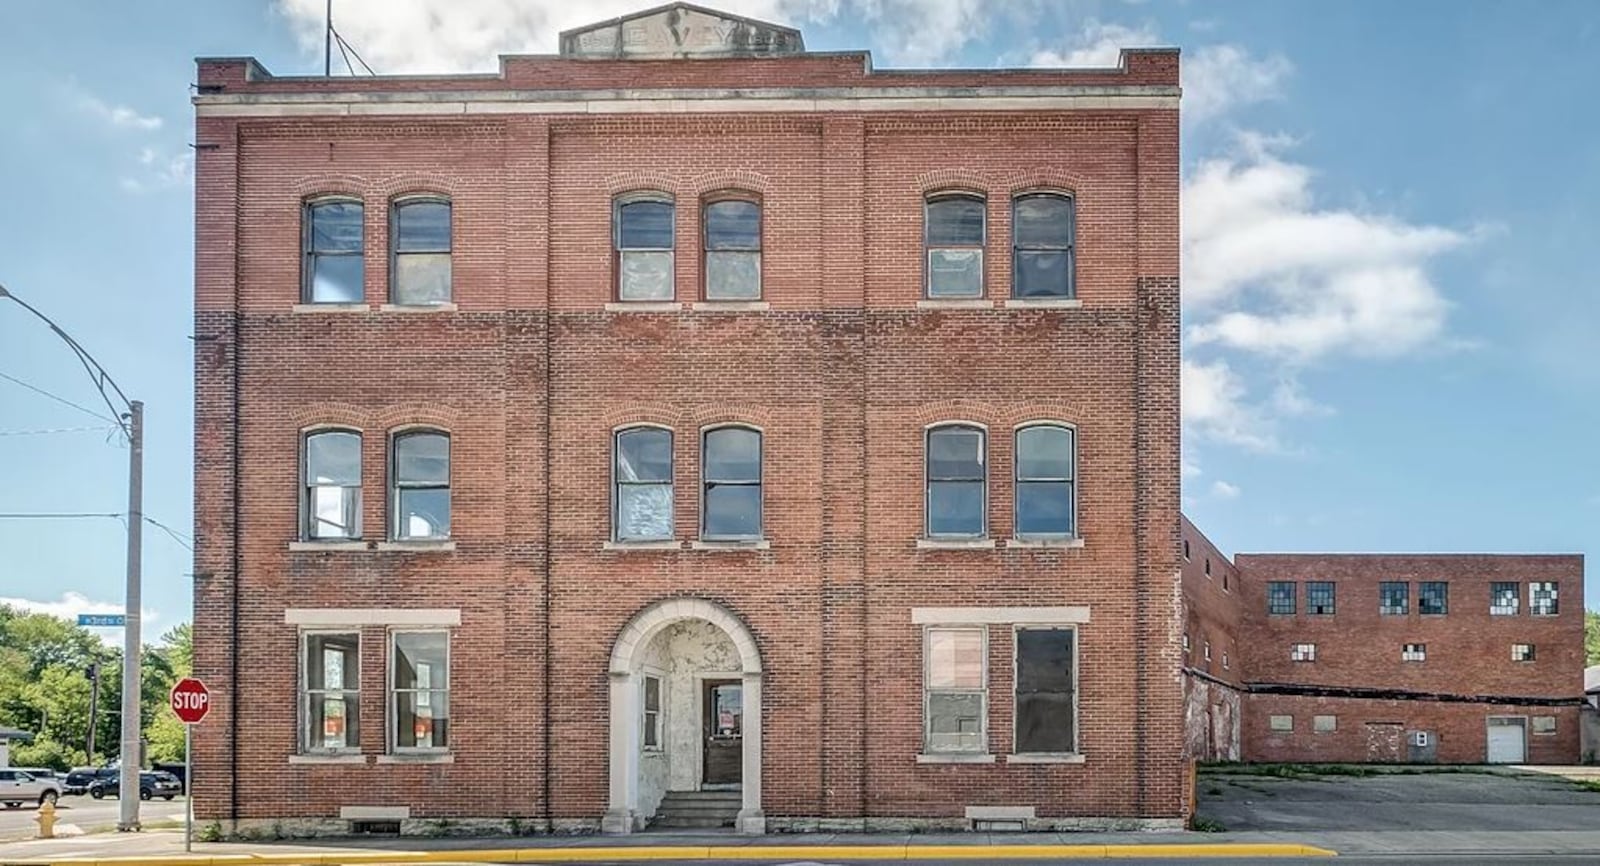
<point x="1220" y="78"/>
<point x="1273" y="273"/>
<point x="1223" y="490"/>
<point x="1215" y="407"/>
<point x="119" y="116"/>
<point x="158" y="171"/>
<point x="71" y="604"/>
<point x="1097" y="44"/>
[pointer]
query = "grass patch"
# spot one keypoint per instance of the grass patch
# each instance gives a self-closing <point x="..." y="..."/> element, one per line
<point x="1587" y="784"/>
<point x="1202" y="824"/>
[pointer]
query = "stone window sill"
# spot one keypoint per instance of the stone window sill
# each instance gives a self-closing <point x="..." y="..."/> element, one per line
<point x="431" y="546"/>
<point x="1046" y="758"/>
<point x="644" y="307"/>
<point x="327" y="546"/>
<point x="955" y="304"/>
<point x="418" y="308"/>
<point x="630" y="546"/>
<point x="1043" y="303"/>
<point x="330" y="308"/>
<point x="418" y="758"/>
<point x="955" y="758"/>
<point x="1043" y="541"/>
<point x="730" y="306"/>
<point x="752" y="544"/>
<point x="955" y="544"/>
<point x="329" y="758"/>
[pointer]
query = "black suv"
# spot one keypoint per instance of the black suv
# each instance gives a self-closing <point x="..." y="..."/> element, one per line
<point x="79" y="780"/>
<point x="151" y="784"/>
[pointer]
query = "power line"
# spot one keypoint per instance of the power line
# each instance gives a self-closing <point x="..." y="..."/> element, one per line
<point x="181" y="538"/>
<point x="58" y="399"/>
<point x="49" y="430"/>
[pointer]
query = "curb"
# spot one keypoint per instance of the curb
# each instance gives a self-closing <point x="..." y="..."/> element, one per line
<point x="703" y="852"/>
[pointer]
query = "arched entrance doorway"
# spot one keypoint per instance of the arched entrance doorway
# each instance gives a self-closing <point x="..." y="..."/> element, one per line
<point x="685" y="712"/>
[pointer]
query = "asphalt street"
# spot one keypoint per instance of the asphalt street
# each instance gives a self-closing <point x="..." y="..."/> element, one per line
<point x="86" y="813"/>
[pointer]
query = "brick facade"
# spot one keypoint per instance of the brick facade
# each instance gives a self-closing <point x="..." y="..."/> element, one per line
<point x="841" y="366"/>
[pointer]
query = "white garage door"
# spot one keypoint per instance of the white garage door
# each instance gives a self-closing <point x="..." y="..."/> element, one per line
<point x="1507" y="741"/>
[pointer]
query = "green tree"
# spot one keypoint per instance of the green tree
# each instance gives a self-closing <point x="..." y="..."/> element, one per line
<point x="1591" y="637"/>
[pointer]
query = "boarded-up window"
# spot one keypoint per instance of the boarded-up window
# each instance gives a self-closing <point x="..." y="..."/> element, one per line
<point x="1324" y="724"/>
<point x="1046" y="684"/>
<point x="1281" y="723"/>
<point x="1544" y="724"/>
<point x="954" y="689"/>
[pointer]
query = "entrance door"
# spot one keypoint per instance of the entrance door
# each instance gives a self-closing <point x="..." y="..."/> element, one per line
<point x="1507" y="740"/>
<point x="724" y="733"/>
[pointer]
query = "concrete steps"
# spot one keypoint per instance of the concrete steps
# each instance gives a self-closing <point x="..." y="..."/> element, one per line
<point x="697" y="809"/>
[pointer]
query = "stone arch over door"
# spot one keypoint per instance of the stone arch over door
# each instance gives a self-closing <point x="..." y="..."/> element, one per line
<point x="622" y="813"/>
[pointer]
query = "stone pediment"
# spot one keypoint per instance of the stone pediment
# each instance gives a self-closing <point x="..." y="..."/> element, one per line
<point x="680" y="30"/>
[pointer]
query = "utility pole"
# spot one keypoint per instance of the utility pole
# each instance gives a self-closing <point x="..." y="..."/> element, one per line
<point x="128" y="799"/>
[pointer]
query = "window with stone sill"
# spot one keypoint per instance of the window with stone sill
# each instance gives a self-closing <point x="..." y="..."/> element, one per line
<point x="957" y="481"/>
<point x="331" y="485"/>
<point x="644" y="240"/>
<point x="330" y="692"/>
<point x="419" y="251"/>
<point x="642" y="495"/>
<point x="420" y="486"/>
<point x="651" y="735"/>
<point x="954" y="227"/>
<point x="332" y="252"/>
<point x="1046" y="480"/>
<point x="731" y="232"/>
<point x="730" y="471"/>
<point x="955" y="690"/>
<point x="1044" y="229"/>
<point x="1046" y="691"/>
<point x="419" y="691"/>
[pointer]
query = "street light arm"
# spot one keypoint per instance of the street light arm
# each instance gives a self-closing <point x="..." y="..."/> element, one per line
<point x="102" y="380"/>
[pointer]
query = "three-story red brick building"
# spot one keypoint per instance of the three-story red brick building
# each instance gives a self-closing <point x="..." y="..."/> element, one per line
<point x="689" y="426"/>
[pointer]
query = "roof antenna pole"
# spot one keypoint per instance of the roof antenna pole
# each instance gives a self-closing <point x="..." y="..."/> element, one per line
<point x="327" y="48"/>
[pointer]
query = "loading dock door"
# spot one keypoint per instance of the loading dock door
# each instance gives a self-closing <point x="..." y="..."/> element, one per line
<point x="1508" y="740"/>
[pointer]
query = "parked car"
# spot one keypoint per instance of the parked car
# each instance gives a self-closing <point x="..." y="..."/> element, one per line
<point x="152" y="783"/>
<point x="80" y="778"/>
<point x="18" y="787"/>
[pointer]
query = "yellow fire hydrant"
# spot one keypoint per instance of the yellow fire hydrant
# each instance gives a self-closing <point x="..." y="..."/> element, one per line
<point x="47" y="820"/>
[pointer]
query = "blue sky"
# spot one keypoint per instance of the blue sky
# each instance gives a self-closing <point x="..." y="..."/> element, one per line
<point x="1390" y="320"/>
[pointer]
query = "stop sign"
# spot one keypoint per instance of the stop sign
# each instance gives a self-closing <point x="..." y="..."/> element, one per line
<point x="190" y="700"/>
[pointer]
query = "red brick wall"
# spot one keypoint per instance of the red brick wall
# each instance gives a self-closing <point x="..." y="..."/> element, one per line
<point x="842" y="374"/>
<point x="1212" y="610"/>
<point x="1459" y="730"/>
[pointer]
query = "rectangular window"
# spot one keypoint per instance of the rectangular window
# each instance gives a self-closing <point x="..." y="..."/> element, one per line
<point x="1185" y="643"/>
<point x="1045" y="457"/>
<point x="330" y="692"/>
<point x="1319" y="597"/>
<point x="642" y="473"/>
<point x="1522" y="652"/>
<point x="1433" y="598"/>
<point x="652" y="712"/>
<point x="1414" y="652"/>
<point x="1225" y="660"/>
<point x="1208" y="651"/>
<point x="1280" y="597"/>
<point x="957" y="480"/>
<point x="644" y="241"/>
<point x="732" y="234"/>
<point x="1324" y="724"/>
<point x="1505" y="598"/>
<point x="954" y="237"/>
<point x="1394" y="597"/>
<point x="419" y="252"/>
<point x="1043" y="229"/>
<point x="1544" y="725"/>
<point x="1303" y="652"/>
<point x="1046" y="691"/>
<point x="421" y="480"/>
<point x="332" y="485"/>
<point x="1281" y="723"/>
<point x="419" y="694"/>
<point x="730" y="501"/>
<point x="954" y="690"/>
<point x="333" y="272"/>
<point x="1542" y="599"/>
<point x="1186" y="550"/>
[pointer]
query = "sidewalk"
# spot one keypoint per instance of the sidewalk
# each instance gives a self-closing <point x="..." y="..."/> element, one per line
<point x="165" y="848"/>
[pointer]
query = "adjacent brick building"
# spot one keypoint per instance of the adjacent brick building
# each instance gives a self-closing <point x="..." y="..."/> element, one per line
<point x="688" y="414"/>
<point x="1383" y="657"/>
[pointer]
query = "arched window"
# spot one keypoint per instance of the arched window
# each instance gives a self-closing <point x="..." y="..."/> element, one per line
<point x="419" y="252"/>
<point x="420" y="486"/>
<point x="1043" y="228"/>
<point x="732" y="230"/>
<point x="953" y="236"/>
<point x="957" y="481"/>
<point x="730" y="504"/>
<point x="644" y="244"/>
<point x="642" y="478"/>
<point x="331" y="485"/>
<point x="1046" y="459"/>
<point x="331" y="234"/>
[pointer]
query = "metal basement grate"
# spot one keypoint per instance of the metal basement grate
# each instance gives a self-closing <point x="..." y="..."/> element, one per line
<point x="375" y="828"/>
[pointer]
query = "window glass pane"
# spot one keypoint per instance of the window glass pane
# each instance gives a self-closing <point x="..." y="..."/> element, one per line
<point x="335" y="512"/>
<point x="733" y="510"/>
<point x="424" y="512"/>
<point x="331" y="661"/>
<point x="1044" y="508"/>
<point x="956" y="221"/>
<point x="645" y="225"/>
<point x="956" y="273"/>
<point x="1044" y="452"/>
<point x="422" y="720"/>
<point x="1043" y="275"/>
<point x="646" y="276"/>
<point x="955" y="658"/>
<point x="644" y="511"/>
<point x="733" y="454"/>
<point x="955" y="453"/>
<point x="1044" y="660"/>
<point x="422" y="278"/>
<point x="955" y="722"/>
<point x="1044" y="722"/>
<point x="733" y="225"/>
<point x="333" y="458"/>
<point x="955" y="507"/>
<point x="420" y="660"/>
<point x="422" y="458"/>
<point x="1043" y="221"/>
<point x="333" y="721"/>
<point x="336" y="227"/>
<point x="652" y="694"/>
<point x="422" y="227"/>
<point x="733" y="276"/>
<point x="336" y="279"/>
<point x="644" y="455"/>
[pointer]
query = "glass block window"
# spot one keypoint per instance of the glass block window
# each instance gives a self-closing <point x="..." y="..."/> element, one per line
<point x="1303" y="652"/>
<point x="1414" y="652"/>
<point x="1504" y="598"/>
<point x="1280" y="597"/>
<point x="1542" y="599"/>
<point x="1394" y="597"/>
<point x="1522" y="652"/>
<point x="1433" y="598"/>
<point x="1319" y="597"/>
